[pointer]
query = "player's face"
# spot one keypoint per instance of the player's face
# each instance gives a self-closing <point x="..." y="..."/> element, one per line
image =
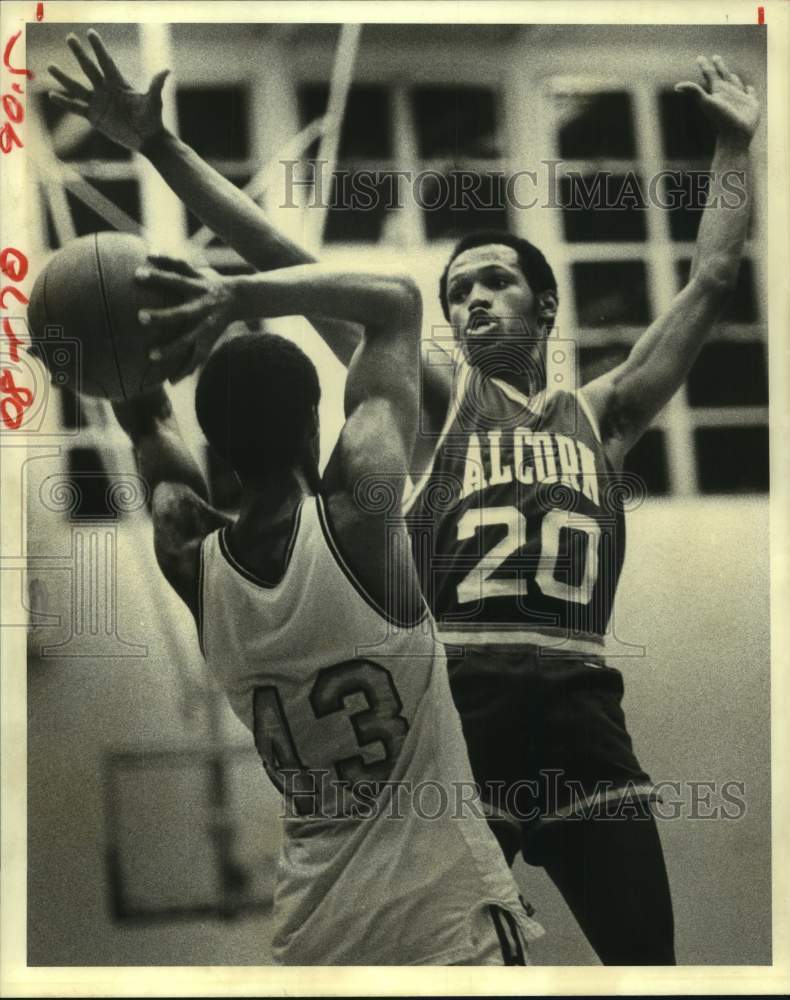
<point x="490" y="301"/>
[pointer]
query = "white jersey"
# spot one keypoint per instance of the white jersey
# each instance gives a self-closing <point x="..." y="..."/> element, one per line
<point x="386" y="858"/>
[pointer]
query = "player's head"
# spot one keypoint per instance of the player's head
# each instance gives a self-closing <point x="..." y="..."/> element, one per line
<point x="500" y="296"/>
<point x="257" y="403"/>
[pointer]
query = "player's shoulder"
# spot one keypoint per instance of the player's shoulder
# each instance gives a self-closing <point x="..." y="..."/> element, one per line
<point x="181" y="520"/>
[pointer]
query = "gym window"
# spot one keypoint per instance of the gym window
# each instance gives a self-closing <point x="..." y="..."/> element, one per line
<point x="624" y="266"/>
<point x="446" y="136"/>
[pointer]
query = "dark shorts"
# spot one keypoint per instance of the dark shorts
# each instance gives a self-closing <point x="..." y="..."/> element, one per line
<point x="547" y="739"/>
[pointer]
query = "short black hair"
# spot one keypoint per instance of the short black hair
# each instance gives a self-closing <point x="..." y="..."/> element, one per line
<point x="534" y="266"/>
<point x="254" y="402"/>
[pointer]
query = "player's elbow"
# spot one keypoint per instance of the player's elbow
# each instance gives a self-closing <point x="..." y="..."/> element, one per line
<point x="395" y="308"/>
<point x="715" y="278"/>
<point x="163" y="499"/>
<point x="407" y="301"/>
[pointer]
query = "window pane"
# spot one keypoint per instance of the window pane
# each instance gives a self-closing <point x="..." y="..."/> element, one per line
<point x="648" y="460"/>
<point x="729" y="373"/>
<point x="124" y="194"/>
<point x="90" y="483"/>
<point x="602" y="208"/>
<point x="455" y="122"/>
<point x="732" y="459"/>
<point x="72" y="413"/>
<point x="685" y="130"/>
<point x="596" y="126"/>
<point x="611" y="293"/>
<point x="215" y="121"/>
<point x="683" y="194"/>
<point x="742" y="304"/>
<point x="359" y="204"/>
<point x="366" y="133"/>
<point x="595" y="361"/>
<point x="460" y="202"/>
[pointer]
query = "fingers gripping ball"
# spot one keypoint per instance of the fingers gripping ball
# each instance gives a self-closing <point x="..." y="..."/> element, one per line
<point x="87" y="293"/>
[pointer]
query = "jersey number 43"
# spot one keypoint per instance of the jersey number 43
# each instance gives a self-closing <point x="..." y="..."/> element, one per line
<point x="379" y="725"/>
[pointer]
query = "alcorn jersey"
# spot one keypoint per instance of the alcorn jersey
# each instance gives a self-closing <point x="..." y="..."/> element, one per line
<point x="518" y="529"/>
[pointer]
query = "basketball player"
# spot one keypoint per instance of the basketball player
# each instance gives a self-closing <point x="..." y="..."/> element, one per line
<point x="526" y="553"/>
<point x="309" y="612"/>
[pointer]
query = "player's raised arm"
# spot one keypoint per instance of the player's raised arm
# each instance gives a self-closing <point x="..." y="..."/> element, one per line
<point x="382" y="395"/>
<point x="160" y="451"/>
<point x="366" y="475"/>
<point x="213" y="302"/>
<point x="134" y="119"/>
<point x="627" y="399"/>
<point x="385" y="366"/>
<point x="179" y="494"/>
<point x="382" y="388"/>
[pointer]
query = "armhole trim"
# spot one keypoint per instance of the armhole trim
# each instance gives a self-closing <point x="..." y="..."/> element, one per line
<point x="329" y="538"/>
<point x="591" y="419"/>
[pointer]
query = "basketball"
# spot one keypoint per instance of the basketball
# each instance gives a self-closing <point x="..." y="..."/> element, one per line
<point x="83" y="317"/>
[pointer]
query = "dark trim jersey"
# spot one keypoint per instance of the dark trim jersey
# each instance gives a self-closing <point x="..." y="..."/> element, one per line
<point x="518" y="529"/>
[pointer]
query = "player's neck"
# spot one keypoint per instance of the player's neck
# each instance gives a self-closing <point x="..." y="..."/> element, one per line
<point x="524" y="382"/>
<point x="523" y="371"/>
<point x="269" y="501"/>
<point x="260" y="537"/>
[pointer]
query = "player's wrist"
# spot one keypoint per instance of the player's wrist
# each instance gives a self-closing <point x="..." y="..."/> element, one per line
<point x="138" y="414"/>
<point x="156" y="142"/>
<point x="734" y="140"/>
<point x="243" y="297"/>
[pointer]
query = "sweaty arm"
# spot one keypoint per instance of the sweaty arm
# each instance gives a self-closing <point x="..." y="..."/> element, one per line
<point x="366" y="474"/>
<point x="626" y="399"/>
<point x="180" y="510"/>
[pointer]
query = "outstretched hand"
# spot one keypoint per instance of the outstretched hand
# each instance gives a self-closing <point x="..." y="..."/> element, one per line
<point x="732" y="107"/>
<point x="182" y="336"/>
<point x="126" y="116"/>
